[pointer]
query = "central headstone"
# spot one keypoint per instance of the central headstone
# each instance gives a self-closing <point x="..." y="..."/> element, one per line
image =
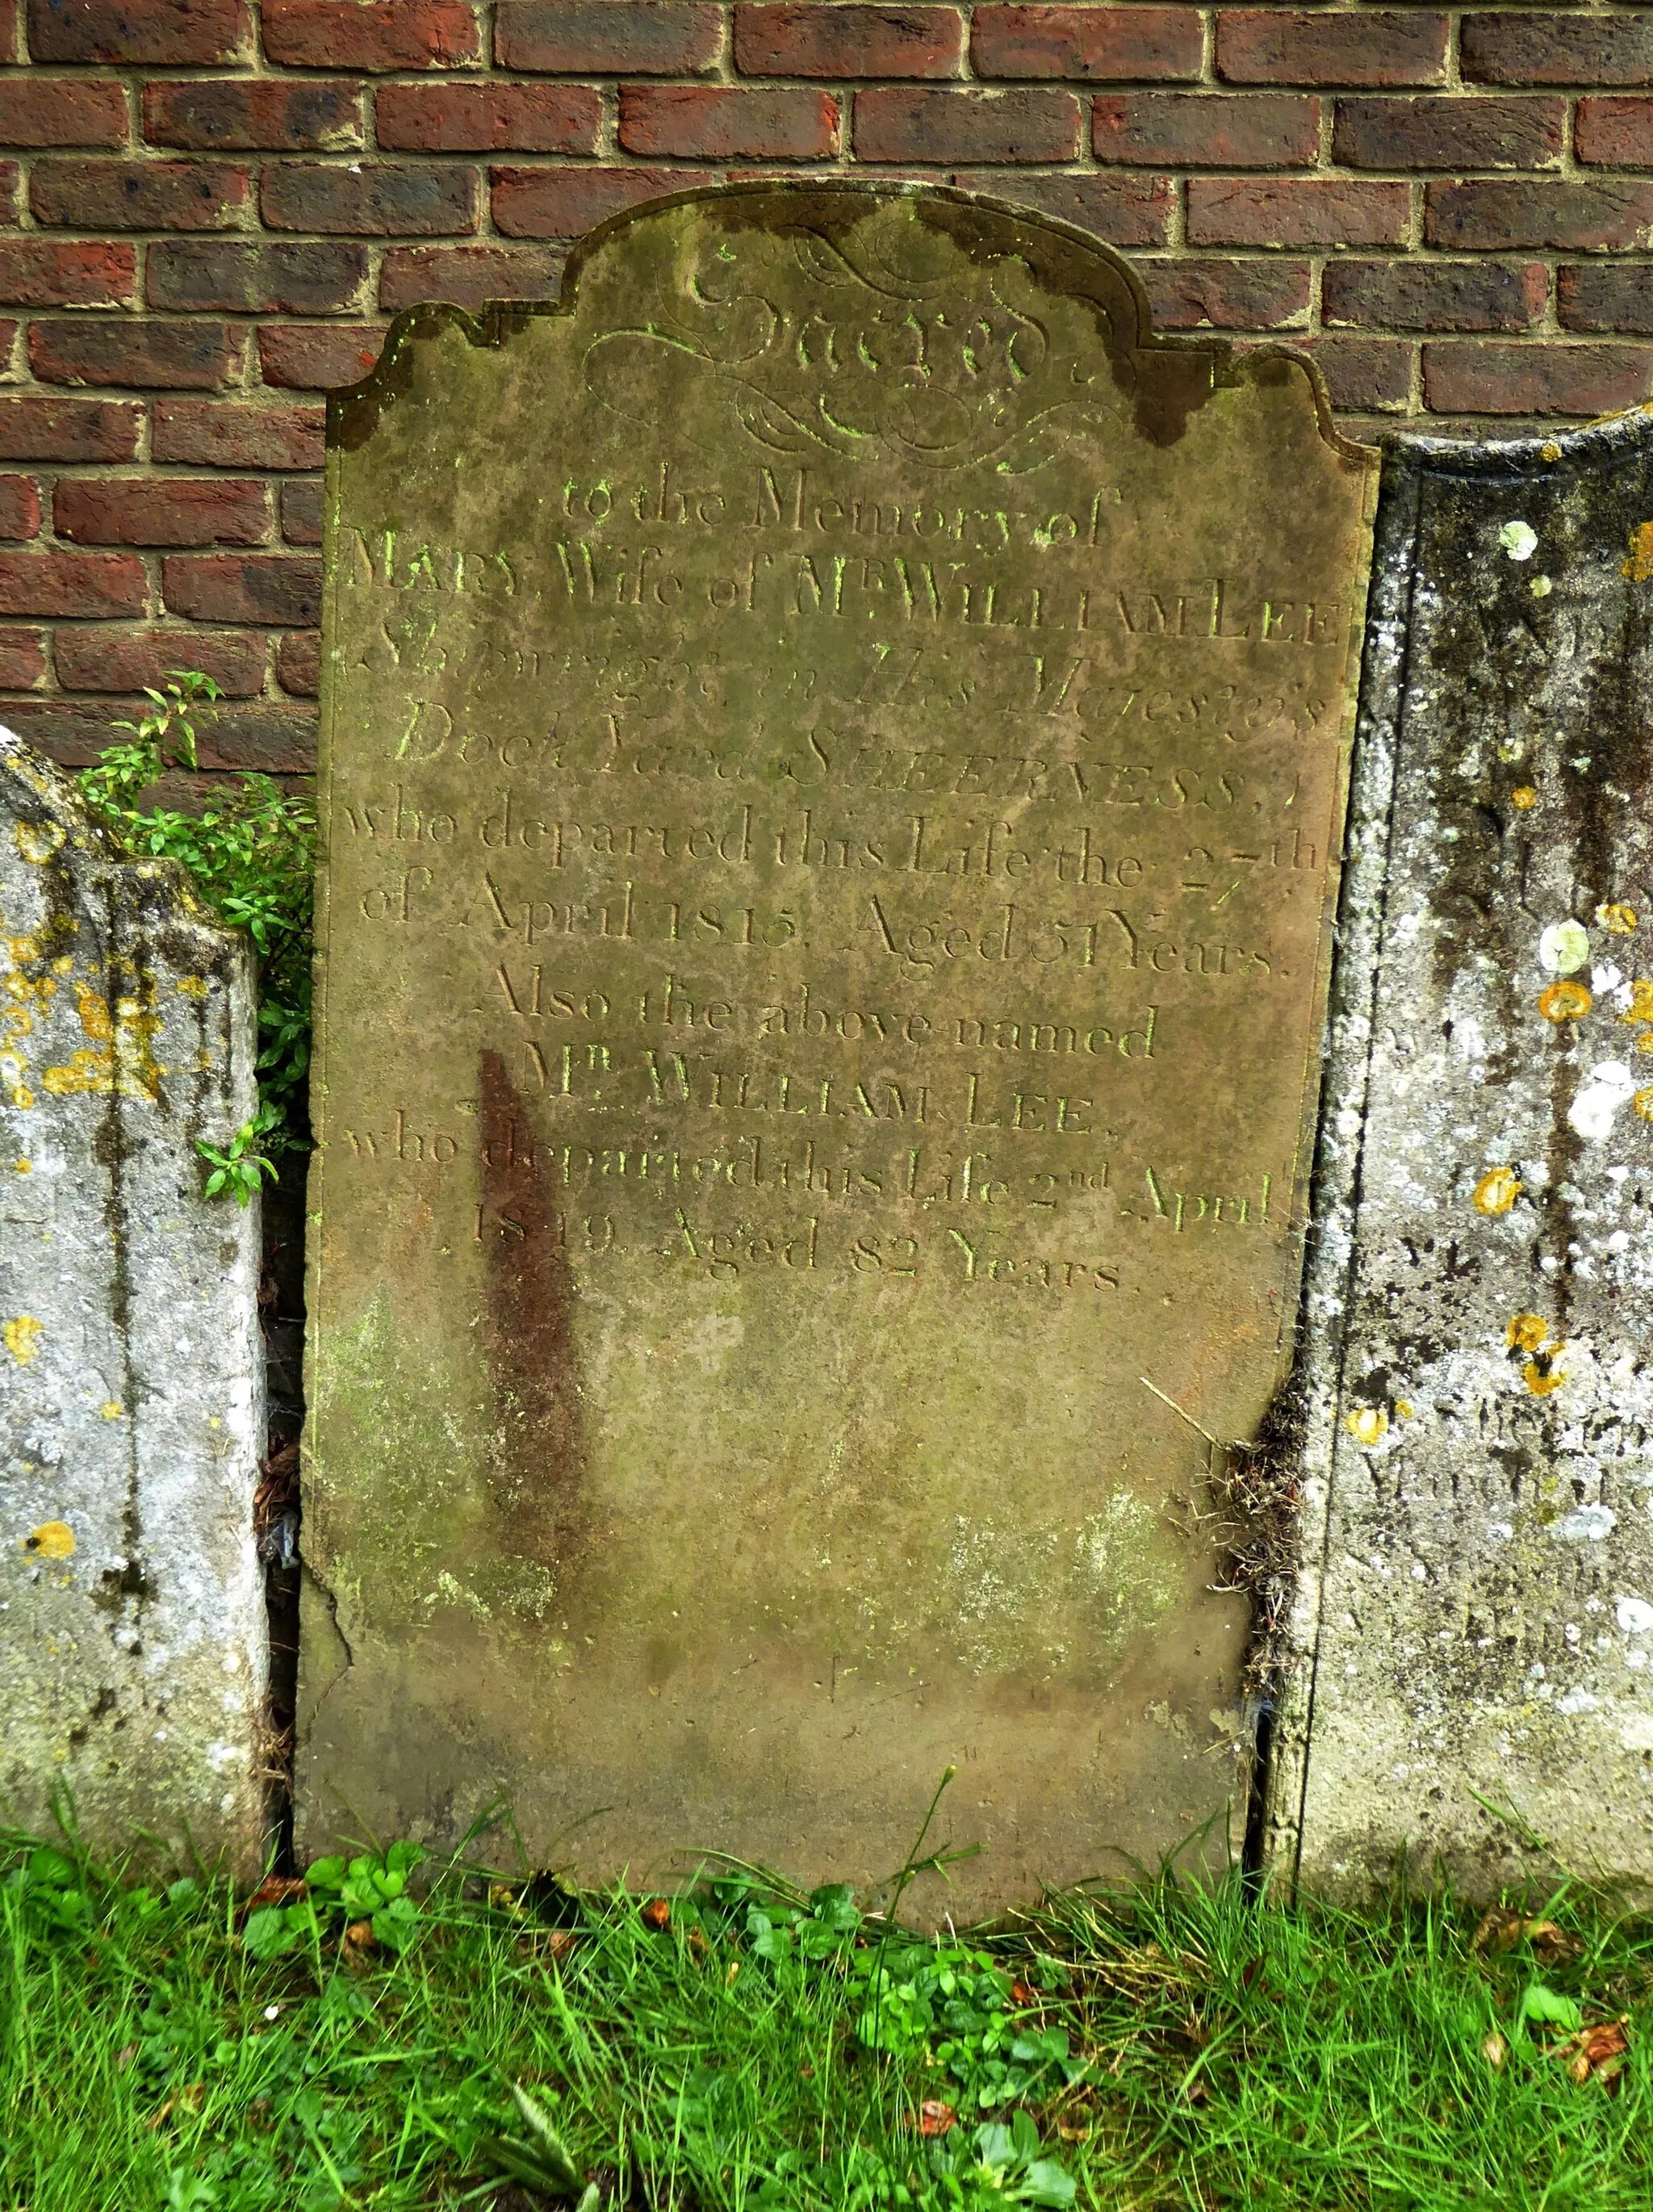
<point x="834" y="757"/>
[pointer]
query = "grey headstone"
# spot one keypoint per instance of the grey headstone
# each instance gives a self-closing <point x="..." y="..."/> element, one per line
<point x="1474" y="1637"/>
<point x="132" y="1639"/>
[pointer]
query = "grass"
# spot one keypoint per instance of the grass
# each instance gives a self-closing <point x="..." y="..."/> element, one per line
<point x="742" y="2045"/>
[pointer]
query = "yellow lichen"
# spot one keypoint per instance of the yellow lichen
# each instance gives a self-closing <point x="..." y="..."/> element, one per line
<point x="1639" y="567"/>
<point x="1497" y="1192"/>
<point x="1643" y="1102"/>
<point x="1550" y="451"/>
<point x="1523" y="797"/>
<point x="1527" y="1332"/>
<point x="1640" y="1008"/>
<point x="1564" y="1002"/>
<point x="1368" y="1424"/>
<point x="52" y="1540"/>
<point x="1404" y="1410"/>
<point x="193" y="987"/>
<point x="111" y="1409"/>
<point x="22" y="1338"/>
<point x="1616" y="918"/>
<point x="22" y="1167"/>
<point x="1542" y="1381"/>
<point x="119" y="1062"/>
<point x="37" y="841"/>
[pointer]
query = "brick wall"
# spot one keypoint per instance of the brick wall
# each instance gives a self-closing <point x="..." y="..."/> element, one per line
<point x="210" y="209"/>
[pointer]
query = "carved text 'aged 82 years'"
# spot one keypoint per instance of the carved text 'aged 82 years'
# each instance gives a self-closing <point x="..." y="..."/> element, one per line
<point x="834" y="752"/>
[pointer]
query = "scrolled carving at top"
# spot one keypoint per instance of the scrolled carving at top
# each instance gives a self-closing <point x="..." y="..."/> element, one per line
<point x="885" y="342"/>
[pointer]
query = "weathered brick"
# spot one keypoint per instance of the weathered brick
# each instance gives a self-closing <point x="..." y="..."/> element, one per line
<point x="167" y="33"/>
<point x="41" y="430"/>
<point x="58" y="583"/>
<point x="1434" y="296"/>
<point x="794" y="39"/>
<point x="1489" y="377"/>
<point x="22" y="659"/>
<point x="221" y="435"/>
<point x="44" y="111"/>
<point x="1363" y="375"/>
<point x="373" y="35"/>
<point x="563" y="202"/>
<point x="1615" y="134"/>
<point x="231" y="115"/>
<point x="252" y="277"/>
<point x="1374" y="47"/>
<point x="1438" y="132"/>
<point x="722" y="123"/>
<point x="161" y="510"/>
<point x="1588" y="218"/>
<point x="1597" y="296"/>
<point x="316" y="356"/>
<point x="275" y="589"/>
<point x="112" y="658"/>
<point x="1543" y="46"/>
<point x="393" y="199"/>
<point x="1122" y="210"/>
<point x="1200" y="130"/>
<point x="895" y="123"/>
<point x="138" y="195"/>
<point x="11" y="193"/>
<point x="301" y="512"/>
<point x="606" y="38"/>
<point x="53" y="272"/>
<point x="473" y="119"/>
<point x="154" y="355"/>
<point x="468" y="275"/>
<point x="1153" y="45"/>
<point x="1296" y="211"/>
<point x="20" y="507"/>
<point x="298" y="662"/>
<point x="1227" y="295"/>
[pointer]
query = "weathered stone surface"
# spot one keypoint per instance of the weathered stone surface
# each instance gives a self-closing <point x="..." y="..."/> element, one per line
<point x="132" y="1643"/>
<point x="832" y="746"/>
<point x="1475" y="1624"/>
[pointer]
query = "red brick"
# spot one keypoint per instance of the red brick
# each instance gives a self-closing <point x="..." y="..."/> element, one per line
<point x="894" y="123"/>
<point x="467" y="274"/>
<point x="1196" y="131"/>
<point x="1296" y="211"/>
<point x="20" y="507"/>
<point x="563" y="202"/>
<point x="1615" y="134"/>
<point x="1227" y="295"/>
<point x="1363" y="375"/>
<point x="1589" y="218"/>
<point x="22" y="659"/>
<point x="1489" y="377"/>
<point x="1372" y="47"/>
<point x="1438" y="132"/>
<point x="472" y="119"/>
<point x="9" y="28"/>
<point x="316" y="356"/>
<point x="249" y="278"/>
<point x="374" y="35"/>
<point x="45" y="111"/>
<point x="723" y="123"/>
<point x="149" y="353"/>
<point x="1545" y="47"/>
<point x="231" y="115"/>
<point x="107" y="659"/>
<point x="298" y="663"/>
<point x="275" y="589"/>
<point x="53" y="272"/>
<point x="161" y="510"/>
<point x="11" y="182"/>
<point x="606" y="38"/>
<point x="1156" y="45"/>
<point x="393" y="199"/>
<point x="301" y="512"/>
<point x="1123" y="210"/>
<point x="138" y="195"/>
<point x="41" y="430"/>
<point x="58" y="583"/>
<point x="1434" y="296"/>
<point x="793" y="40"/>
<point x="1606" y="296"/>
<point x="216" y="434"/>
<point x="167" y="33"/>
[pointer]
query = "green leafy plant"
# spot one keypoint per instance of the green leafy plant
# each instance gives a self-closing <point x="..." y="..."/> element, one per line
<point x="250" y="853"/>
<point x="954" y="2006"/>
<point x="339" y="1895"/>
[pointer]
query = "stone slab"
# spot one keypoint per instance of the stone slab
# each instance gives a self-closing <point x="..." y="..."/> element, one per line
<point x="132" y="1639"/>
<point x="833" y="743"/>
<point x="1472" y="1651"/>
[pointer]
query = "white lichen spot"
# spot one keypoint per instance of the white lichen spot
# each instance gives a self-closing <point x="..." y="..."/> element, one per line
<point x="1633" y="1614"/>
<point x="1577" y="1701"/>
<point x="1564" y="947"/>
<point x="1591" y="1113"/>
<point x="1519" y="540"/>
<point x="1500" y="1532"/>
<point x="1588" y="1525"/>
